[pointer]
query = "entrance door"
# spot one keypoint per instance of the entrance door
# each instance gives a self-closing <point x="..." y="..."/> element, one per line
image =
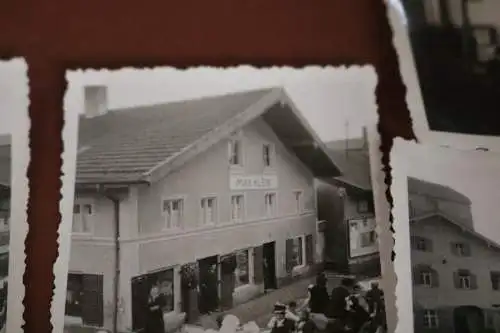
<point x="189" y="292"/>
<point x="227" y="267"/>
<point x="140" y="294"/>
<point x="209" y="285"/>
<point x="468" y="319"/>
<point x="269" y="262"/>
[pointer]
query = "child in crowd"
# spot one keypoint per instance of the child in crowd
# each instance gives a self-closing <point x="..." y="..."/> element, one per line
<point x="279" y="323"/>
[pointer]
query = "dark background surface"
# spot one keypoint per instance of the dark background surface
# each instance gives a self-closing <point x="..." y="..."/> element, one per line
<point x="58" y="35"/>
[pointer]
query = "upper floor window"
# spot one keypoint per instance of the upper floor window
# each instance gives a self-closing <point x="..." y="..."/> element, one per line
<point x="464" y="279"/>
<point x="267" y="155"/>
<point x="237" y="207"/>
<point x="425" y="275"/>
<point x="460" y="249"/>
<point x="421" y="244"/>
<point x="431" y="319"/>
<point x="298" y="195"/>
<point x="363" y="206"/>
<point x="82" y="214"/>
<point x="368" y="238"/>
<point x="173" y="211"/>
<point x="235" y="152"/>
<point x="209" y="210"/>
<point x="495" y="280"/>
<point x="270" y="204"/>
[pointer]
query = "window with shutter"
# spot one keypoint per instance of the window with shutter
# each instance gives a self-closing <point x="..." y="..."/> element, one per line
<point x="258" y="264"/>
<point x="416" y="275"/>
<point x="309" y="249"/>
<point x="435" y="278"/>
<point x="289" y="255"/>
<point x="495" y="280"/>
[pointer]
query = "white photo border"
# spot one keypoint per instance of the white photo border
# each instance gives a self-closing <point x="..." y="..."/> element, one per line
<point x="414" y="98"/>
<point x="17" y="96"/>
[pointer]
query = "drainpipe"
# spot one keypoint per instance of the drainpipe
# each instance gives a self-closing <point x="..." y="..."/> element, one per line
<point x="116" y="238"/>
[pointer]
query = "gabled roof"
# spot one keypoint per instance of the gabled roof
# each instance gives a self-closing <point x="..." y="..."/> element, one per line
<point x="144" y="144"/>
<point x="437" y="191"/>
<point x="464" y="228"/>
<point x="353" y="159"/>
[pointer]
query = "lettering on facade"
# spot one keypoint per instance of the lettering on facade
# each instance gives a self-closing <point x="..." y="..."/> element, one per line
<point x="253" y="182"/>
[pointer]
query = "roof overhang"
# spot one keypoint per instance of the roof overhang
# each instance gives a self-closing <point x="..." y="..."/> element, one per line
<point x="297" y="135"/>
<point x="475" y="234"/>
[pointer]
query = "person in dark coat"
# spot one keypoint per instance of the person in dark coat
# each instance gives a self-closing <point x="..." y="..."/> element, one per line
<point x="375" y="300"/>
<point x="156" y="302"/>
<point x="279" y="323"/>
<point x="358" y="313"/>
<point x="338" y="305"/>
<point x="318" y="301"/>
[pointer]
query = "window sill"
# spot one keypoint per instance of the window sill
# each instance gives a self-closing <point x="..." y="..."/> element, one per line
<point x="237" y="169"/>
<point x="82" y="234"/>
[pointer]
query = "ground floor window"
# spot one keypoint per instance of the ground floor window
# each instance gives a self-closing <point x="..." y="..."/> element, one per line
<point x="84" y="298"/>
<point x="4" y="265"/>
<point x="297" y="255"/>
<point x="165" y="282"/>
<point x="242" y="271"/>
<point x="431" y="319"/>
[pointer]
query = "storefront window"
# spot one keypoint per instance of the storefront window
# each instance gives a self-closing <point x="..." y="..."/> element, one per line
<point x="242" y="271"/>
<point x="165" y="282"/>
<point x="298" y="252"/>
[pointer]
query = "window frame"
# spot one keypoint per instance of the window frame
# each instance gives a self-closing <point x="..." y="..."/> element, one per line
<point x="90" y="222"/>
<point x="180" y="223"/>
<point x="303" y="251"/>
<point x="236" y="137"/>
<point x="275" y="210"/>
<point x="428" y="316"/>
<point x="202" y="209"/>
<point x="272" y="155"/>
<point x="463" y="246"/>
<point x="428" y="274"/>
<point x="462" y="277"/>
<point x="243" y="209"/>
<point x="358" y="206"/>
<point x="250" y="268"/>
<point x="299" y="202"/>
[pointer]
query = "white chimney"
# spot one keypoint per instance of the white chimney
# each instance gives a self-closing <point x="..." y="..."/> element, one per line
<point x="95" y="100"/>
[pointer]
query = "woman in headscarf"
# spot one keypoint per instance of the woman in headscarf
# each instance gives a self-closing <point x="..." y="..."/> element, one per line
<point x="156" y="302"/>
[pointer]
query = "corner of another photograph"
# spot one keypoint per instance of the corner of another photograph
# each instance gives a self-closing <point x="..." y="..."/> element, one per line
<point x="14" y="159"/>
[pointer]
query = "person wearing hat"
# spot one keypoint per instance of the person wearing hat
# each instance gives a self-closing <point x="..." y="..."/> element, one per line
<point x="339" y="304"/>
<point x="318" y="299"/>
<point x="279" y="323"/>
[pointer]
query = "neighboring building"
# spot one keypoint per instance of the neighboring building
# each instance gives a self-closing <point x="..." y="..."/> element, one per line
<point x="5" y="176"/>
<point x="219" y="189"/>
<point x="456" y="271"/>
<point x="346" y="203"/>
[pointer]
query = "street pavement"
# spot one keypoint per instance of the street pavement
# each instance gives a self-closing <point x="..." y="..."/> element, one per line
<point x="260" y="309"/>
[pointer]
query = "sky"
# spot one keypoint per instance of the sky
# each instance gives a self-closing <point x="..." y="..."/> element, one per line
<point x="474" y="174"/>
<point x="334" y="101"/>
<point x="13" y="93"/>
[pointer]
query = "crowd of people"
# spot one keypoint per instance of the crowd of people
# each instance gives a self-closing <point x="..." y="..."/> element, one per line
<point x="347" y="309"/>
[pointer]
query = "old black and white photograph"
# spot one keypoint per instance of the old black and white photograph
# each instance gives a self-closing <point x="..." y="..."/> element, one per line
<point x="453" y="238"/>
<point x="223" y="199"/>
<point x="14" y="158"/>
<point x="455" y="47"/>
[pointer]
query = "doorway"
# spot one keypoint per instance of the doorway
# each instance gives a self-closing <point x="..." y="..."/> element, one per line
<point x="269" y="262"/>
<point x="209" y="285"/>
<point x="468" y="319"/>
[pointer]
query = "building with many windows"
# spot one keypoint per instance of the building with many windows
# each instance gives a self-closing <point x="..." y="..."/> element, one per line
<point x="346" y="204"/>
<point x="212" y="200"/>
<point x="456" y="271"/>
